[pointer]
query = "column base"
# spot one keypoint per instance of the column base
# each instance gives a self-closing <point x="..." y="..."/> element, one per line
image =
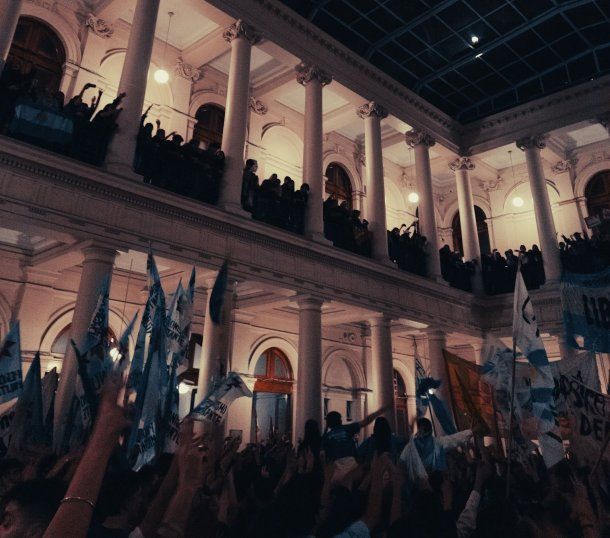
<point x="235" y="209"/>
<point x="124" y="170"/>
<point x="319" y="238"/>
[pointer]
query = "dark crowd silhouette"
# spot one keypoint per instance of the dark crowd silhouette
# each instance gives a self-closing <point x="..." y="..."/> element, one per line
<point x="77" y="128"/>
<point x="167" y="162"/>
<point x="345" y="229"/>
<point x="408" y="249"/>
<point x="581" y="254"/>
<point x="273" y="201"/>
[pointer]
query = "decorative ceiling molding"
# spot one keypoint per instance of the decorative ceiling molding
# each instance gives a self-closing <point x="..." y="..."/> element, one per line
<point x="564" y="166"/>
<point x="187" y="71"/>
<point x="99" y="27"/>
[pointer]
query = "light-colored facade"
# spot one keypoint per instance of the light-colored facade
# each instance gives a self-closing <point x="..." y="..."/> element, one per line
<point x="334" y="315"/>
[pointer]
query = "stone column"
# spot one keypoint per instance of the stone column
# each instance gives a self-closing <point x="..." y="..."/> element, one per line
<point x="314" y="79"/>
<point x="373" y="113"/>
<point x="468" y="222"/>
<point x="133" y="83"/>
<point x="382" y="379"/>
<point x="241" y="36"/>
<point x="437" y="341"/>
<point x="547" y="234"/>
<point x="421" y="141"/>
<point x="9" y="17"/>
<point x="309" y="380"/>
<point x="97" y="265"/>
<point x="215" y="344"/>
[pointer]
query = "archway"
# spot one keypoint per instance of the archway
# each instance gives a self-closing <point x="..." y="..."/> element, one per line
<point x="38" y="52"/>
<point x="400" y="404"/>
<point x="60" y="344"/>
<point x="338" y="184"/>
<point x="210" y="122"/>
<point x="482" y="231"/>
<point x="597" y="194"/>
<point x="272" y="398"/>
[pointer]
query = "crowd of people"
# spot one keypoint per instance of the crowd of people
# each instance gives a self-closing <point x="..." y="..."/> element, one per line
<point x="581" y="254"/>
<point x="408" y="249"/>
<point x="35" y="114"/>
<point x="326" y="486"/>
<point x="345" y="228"/>
<point x="167" y="162"/>
<point x="454" y="270"/>
<point x="499" y="271"/>
<point x="272" y="201"/>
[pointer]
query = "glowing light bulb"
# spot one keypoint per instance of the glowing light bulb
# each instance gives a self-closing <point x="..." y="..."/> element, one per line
<point x="474" y="39"/>
<point x="413" y="197"/>
<point x="114" y="354"/>
<point x="518" y="201"/>
<point x="161" y="76"/>
<point x="183" y="387"/>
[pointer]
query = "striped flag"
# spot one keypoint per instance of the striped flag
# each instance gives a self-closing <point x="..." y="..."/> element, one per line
<point x="11" y="383"/>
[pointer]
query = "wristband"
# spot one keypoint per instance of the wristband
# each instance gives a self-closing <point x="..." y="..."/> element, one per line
<point x="77" y="500"/>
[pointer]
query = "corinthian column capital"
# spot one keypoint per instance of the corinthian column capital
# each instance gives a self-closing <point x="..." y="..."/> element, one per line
<point x="307" y="72"/>
<point x="372" y="109"/>
<point x="415" y="137"/>
<point x="529" y="142"/>
<point x="461" y="163"/>
<point x="241" y="29"/>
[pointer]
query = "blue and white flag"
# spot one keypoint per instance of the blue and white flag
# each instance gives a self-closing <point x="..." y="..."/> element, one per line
<point x="420" y="373"/>
<point x="213" y="409"/>
<point x="143" y="442"/>
<point x="27" y="430"/>
<point x="527" y="338"/>
<point x="121" y="359"/>
<point x="11" y="381"/>
<point x="586" y="310"/>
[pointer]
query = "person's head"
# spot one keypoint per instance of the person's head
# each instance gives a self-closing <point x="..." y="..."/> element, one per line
<point x="148" y="128"/>
<point x="29" y="507"/>
<point x="535" y="248"/>
<point x="424" y="427"/>
<point x="312" y="429"/>
<point x="382" y="432"/>
<point x="177" y="140"/>
<point x="333" y="419"/>
<point x="305" y="187"/>
<point x="252" y="165"/>
<point x="160" y="134"/>
<point x="522" y="248"/>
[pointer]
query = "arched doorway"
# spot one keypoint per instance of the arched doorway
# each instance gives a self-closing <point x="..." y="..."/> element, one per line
<point x="597" y="193"/>
<point x="400" y="404"/>
<point x="210" y="122"/>
<point x="60" y="344"/>
<point x="482" y="231"/>
<point x="271" y="402"/>
<point x="38" y="52"/>
<point x="338" y="184"/>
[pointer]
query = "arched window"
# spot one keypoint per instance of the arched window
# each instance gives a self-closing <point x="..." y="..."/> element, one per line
<point x="400" y="403"/>
<point x="59" y="345"/>
<point x="597" y="193"/>
<point x="37" y="51"/>
<point x="271" y="403"/>
<point x="210" y="122"/>
<point x="338" y="184"/>
<point x="482" y="231"/>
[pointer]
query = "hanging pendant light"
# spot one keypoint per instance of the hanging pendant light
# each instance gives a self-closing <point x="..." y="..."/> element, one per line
<point x="161" y="75"/>
<point x="413" y="197"/>
<point x="517" y="201"/>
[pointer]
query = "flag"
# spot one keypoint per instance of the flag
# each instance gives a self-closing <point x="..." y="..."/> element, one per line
<point x="420" y="373"/>
<point x="27" y="429"/>
<point x="49" y="386"/>
<point x="442" y="414"/>
<point x="586" y="309"/>
<point x="218" y="293"/>
<point x="527" y="337"/>
<point x="6" y="419"/>
<point x="11" y="383"/>
<point x="122" y="356"/>
<point x="214" y="407"/>
<point x="142" y="445"/>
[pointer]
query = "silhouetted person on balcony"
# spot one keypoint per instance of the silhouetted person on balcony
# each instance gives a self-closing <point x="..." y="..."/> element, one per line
<point x="300" y="207"/>
<point x="249" y="185"/>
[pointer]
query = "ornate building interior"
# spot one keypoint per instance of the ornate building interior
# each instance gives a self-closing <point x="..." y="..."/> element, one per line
<point x="484" y="123"/>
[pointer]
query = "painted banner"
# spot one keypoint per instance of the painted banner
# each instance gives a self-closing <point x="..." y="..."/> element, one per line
<point x="214" y="407"/>
<point x="471" y="396"/>
<point x="588" y="413"/>
<point x="6" y="419"/>
<point x="586" y="310"/>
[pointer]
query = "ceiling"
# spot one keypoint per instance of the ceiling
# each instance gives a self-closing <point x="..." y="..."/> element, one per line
<point x="526" y="49"/>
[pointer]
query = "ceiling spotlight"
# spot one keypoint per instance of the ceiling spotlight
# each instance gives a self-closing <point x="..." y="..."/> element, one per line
<point x="518" y="201"/>
<point x="479" y="55"/>
<point x="474" y="39"/>
<point x="413" y="197"/>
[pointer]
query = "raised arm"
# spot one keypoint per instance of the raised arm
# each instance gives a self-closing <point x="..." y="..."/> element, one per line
<point x="368" y="420"/>
<point x="74" y="515"/>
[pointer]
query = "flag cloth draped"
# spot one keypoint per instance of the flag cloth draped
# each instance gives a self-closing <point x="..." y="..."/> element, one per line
<point x="214" y="407"/>
<point x="527" y="338"/>
<point x="11" y="382"/>
<point x="27" y="429"/>
<point x="586" y="309"/>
